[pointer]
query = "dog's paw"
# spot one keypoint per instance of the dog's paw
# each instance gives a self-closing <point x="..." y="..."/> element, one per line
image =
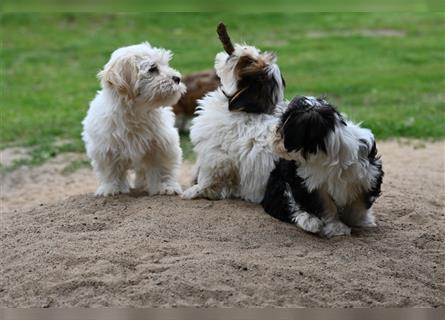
<point x="307" y="222"/>
<point x="106" y="190"/>
<point x="366" y="224"/>
<point x="124" y="188"/>
<point x="170" y="189"/>
<point x="368" y="220"/>
<point x="191" y="193"/>
<point x="335" y="228"/>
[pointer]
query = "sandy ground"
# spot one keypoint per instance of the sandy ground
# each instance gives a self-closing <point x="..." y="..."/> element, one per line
<point x="61" y="246"/>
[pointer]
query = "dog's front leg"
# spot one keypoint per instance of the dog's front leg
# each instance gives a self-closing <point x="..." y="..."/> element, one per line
<point x="205" y="188"/>
<point x="194" y="191"/>
<point x="165" y="173"/>
<point x="333" y="226"/>
<point x="214" y="182"/>
<point x="358" y="215"/>
<point x="111" y="175"/>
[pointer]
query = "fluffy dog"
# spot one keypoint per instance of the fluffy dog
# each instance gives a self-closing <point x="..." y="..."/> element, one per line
<point x="127" y="126"/>
<point x="329" y="174"/>
<point x="230" y="132"/>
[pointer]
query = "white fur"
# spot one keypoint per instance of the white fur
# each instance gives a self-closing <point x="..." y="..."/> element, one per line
<point x="234" y="157"/>
<point x="127" y="127"/>
<point x="301" y="218"/>
<point x="230" y="145"/>
<point x="341" y="170"/>
<point x="334" y="227"/>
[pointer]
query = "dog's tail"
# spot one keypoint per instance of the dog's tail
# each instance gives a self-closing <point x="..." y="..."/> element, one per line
<point x="224" y="38"/>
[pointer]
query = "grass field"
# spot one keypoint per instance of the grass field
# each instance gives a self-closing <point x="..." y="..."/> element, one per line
<point x="386" y="70"/>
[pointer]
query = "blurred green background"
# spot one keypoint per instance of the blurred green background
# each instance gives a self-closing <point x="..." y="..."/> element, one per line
<point x="384" y="69"/>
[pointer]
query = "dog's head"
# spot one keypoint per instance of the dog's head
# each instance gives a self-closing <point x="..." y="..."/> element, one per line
<point x="140" y="75"/>
<point x="305" y="127"/>
<point x="251" y="79"/>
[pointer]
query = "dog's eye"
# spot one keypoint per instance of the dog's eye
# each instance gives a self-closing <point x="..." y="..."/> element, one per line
<point x="153" y="68"/>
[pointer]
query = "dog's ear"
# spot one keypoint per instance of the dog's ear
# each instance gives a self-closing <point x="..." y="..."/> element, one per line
<point x="121" y="75"/>
<point x="256" y="87"/>
<point x="307" y="130"/>
<point x="246" y="99"/>
<point x="294" y="132"/>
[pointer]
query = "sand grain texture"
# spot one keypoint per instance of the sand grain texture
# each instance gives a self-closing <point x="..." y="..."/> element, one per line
<point x="162" y="251"/>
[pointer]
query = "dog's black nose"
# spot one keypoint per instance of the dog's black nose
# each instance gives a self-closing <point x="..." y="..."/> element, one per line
<point x="302" y="101"/>
<point x="176" y="79"/>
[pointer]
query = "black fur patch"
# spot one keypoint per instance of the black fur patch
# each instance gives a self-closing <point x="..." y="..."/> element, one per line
<point x="375" y="191"/>
<point x="275" y="201"/>
<point x="256" y="93"/>
<point x="305" y="126"/>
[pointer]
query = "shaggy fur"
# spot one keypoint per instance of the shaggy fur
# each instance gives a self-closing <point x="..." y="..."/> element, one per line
<point x="230" y="132"/>
<point x="127" y="126"/>
<point x="329" y="174"/>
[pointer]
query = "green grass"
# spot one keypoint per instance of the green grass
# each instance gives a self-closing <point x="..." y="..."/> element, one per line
<point x="394" y="84"/>
<point x="42" y="152"/>
<point x="76" y="165"/>
<point x="187" y="147"/>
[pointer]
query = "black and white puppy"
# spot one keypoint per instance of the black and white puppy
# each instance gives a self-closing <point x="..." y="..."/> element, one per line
<point x="328" y="175"/>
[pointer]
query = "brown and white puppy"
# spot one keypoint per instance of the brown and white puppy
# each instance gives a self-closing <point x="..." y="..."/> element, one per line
<point x="230" y="132"/>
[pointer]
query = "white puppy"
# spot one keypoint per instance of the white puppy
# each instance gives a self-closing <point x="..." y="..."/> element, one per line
<point x="231" y="130"/>
<point x="127" y="126"/>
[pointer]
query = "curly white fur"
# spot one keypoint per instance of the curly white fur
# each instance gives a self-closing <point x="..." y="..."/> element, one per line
<point x="127" y="126"/>
<point x="234" y="156"/>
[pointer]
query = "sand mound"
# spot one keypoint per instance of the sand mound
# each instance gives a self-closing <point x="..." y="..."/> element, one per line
<point x="162" y="251"/>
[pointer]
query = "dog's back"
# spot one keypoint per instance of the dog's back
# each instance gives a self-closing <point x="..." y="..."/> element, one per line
<point x="230" y="132"/>
<point x="238" y="140"/>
